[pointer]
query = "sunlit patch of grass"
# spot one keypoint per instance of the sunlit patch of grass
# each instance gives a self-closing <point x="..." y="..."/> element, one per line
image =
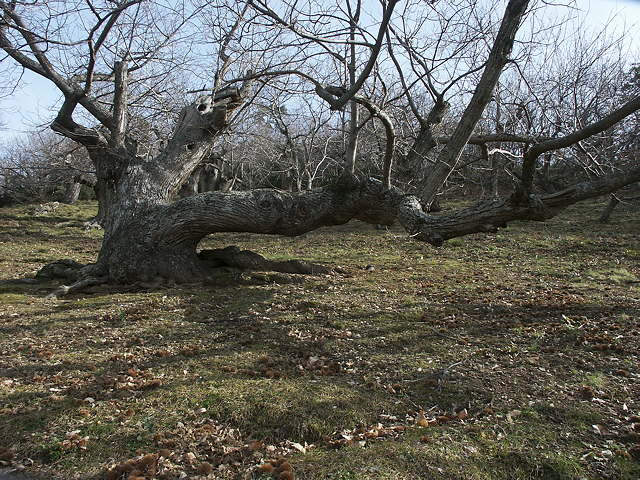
<point x="595" y="379"/>
<point x="618" y="276"/>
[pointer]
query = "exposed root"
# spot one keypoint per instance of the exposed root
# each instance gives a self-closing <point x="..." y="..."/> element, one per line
<point x="77" y="286"/>
<point x="81" y="276"/>
<point x="247" y="260"/>
<point x="66" y="269"/>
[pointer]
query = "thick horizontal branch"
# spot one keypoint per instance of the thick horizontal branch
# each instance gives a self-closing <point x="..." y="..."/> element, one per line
<point x="273" y="212"/>
<point x="493" y="214"/>
<point x="294" y="213"/>
<point x="497" y="138"/>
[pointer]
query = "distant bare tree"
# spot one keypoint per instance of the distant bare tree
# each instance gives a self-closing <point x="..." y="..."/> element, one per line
<point x="43" y="167"/>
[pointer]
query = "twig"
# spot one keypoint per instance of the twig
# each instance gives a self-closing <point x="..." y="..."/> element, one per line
<point x="440" y="375"/>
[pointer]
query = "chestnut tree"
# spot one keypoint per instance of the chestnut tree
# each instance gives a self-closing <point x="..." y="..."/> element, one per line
<point x="185" y="70"/>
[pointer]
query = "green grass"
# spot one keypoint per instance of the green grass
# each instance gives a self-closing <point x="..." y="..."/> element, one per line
<point x="525" y="321"/>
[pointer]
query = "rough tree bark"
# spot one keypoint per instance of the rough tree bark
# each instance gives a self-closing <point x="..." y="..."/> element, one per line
<point x="148" y="238"/>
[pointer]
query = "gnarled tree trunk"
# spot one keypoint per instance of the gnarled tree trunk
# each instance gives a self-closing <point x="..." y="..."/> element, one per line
<point x="135" y="193"/>
<point x="148" y="236"/>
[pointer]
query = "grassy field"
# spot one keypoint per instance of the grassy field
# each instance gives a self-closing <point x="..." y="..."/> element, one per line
<point x="507" y="356"/>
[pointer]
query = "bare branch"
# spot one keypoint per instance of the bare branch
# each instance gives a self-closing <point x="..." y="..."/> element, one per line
<point x="529" y="163"/>
<point x="120" y="97"/>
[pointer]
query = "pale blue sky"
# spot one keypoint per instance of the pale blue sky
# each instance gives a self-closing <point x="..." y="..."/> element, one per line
<point x="33" y="104"/>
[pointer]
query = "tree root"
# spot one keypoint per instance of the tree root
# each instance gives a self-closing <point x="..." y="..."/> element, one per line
<point x="233" y="257"/>
<point x="66" y="269"/>
<point x="79" y="277"/>
<point x="77" y="286"/>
